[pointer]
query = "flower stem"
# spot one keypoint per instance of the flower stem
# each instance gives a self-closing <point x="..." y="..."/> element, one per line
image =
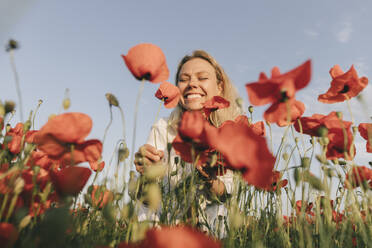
<point x="16" y="78"/>
<point x="135" y="120"/>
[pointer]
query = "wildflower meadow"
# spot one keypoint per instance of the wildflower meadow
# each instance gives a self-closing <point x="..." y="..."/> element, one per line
<point x="275" y="200"/>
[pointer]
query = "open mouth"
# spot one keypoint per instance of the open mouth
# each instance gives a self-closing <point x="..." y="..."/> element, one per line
<point x="190" y="96"/>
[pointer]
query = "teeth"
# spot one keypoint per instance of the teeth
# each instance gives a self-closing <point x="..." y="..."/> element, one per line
<point x="191" y="96"/>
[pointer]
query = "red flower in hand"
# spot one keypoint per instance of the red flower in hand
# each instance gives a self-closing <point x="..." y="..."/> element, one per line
<point x="244" y="151"/>
<point x="343" y="86"/>
<point x="147" y="61"/>
<point x="280" y="90"/>
<point x="217" y="102"/>
<point x="62" y="138"/>
<point x="365" y="130"/>
<point x="70" y="180"/>
<point x="333" y="129"/>
<point x="192" y="134"/>
<point x="169" y="93"/>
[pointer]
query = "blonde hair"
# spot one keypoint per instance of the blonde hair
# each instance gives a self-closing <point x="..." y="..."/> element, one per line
<point x="228" y="92"/>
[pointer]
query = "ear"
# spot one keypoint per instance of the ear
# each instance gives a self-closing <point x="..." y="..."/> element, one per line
<point x="220" y="87"/>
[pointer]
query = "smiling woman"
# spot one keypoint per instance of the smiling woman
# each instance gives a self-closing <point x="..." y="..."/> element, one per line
<point x="200" y="80"/>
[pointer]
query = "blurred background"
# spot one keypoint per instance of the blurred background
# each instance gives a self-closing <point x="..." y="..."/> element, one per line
<point x="77" y="45"/>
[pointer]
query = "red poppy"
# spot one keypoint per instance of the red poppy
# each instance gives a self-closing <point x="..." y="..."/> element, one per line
<point x="169" y="93"/>
<point x="147" y="61"/>
<point x="357" y="175"/>
<point x="280" y="90"/>
<point x="276" y="183"/>
<point x="365" y="130"/>
<point x="192" y="135"/>
<point x="16" y="133"/>
<point x="62" y="138"/>
<point x="41" y="159"/>
<point x="180" y="237"/>
<point x="8" y="234"/>
<point x="258" y="127"/>
<point x="70" y="180"/>
<point x="333" y="127"/>
<point x="101" y="196"/>
<point x="217" y="102"/>
<point x="343" y="86"/>
<point x="245" y="151"/>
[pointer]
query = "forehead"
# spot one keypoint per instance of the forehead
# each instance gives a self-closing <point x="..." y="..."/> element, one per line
<point x="197" y="65"/>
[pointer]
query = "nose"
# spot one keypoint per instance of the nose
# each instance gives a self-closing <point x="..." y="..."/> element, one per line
<point x="193" y="82"/>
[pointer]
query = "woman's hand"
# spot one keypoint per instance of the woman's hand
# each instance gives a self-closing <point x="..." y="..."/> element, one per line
<point x="216" y="185"/>
<point x="147" y="155"/>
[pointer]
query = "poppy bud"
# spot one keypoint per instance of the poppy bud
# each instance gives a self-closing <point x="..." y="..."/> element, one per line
<point x="305" y="162"/>
<point x="250" y="109"/>
<point x="9" y="106"/>
<point x="339" y="114"/>
<point x="322" y="131"/>
<point x="153" y="196"/>
<point x="66" y="103"/>
<point x="112" y="99"/>
<point x="8" y="127"/>
<point x="239" y="102"/>
<point x="18" y="186"/>
<point x="12" y="45"/>
<point x="177" y="160"/>
<point x="155" y="171"/>
<point x="24" y="222"/>
<point x="296" y="140"/>
<point x="123" y="154"/>
<point x="213" y="160"/>
<point x="2" y="110"/>
<point x="324" y="141"/>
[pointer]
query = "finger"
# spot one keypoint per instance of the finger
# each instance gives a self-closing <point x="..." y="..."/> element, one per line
<point x="153" y="150"/>
<point x="202" y="172"/>
<point x="139" y="168"/>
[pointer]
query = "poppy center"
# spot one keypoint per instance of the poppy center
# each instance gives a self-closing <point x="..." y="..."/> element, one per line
<point x="345" y="89"/>
<point x="283" y="96"/>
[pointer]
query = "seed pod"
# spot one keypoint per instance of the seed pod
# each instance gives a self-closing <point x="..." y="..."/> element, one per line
<point x="305" y="162"/>
<point x="239" y="102"/>
<point x="322" y="131"/>
<point x="153" y="196"/>
<point x="123" y="154"/>
<point x="250" y="109"/>
<point x="9" y="106"/>
<point x="66" y="103"/>
<point x="112" y="99"/>
<point x="154" y="172"/>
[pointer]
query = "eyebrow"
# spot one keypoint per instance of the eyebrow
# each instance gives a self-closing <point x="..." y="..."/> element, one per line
<point x="198" y="73"/>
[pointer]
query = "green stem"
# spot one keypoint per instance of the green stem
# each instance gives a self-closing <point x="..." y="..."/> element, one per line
<point x="16" y="79"/>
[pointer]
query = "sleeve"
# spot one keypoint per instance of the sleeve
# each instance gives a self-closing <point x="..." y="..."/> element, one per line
<point x="228" y="180"/>
<point x="158" y="135"/>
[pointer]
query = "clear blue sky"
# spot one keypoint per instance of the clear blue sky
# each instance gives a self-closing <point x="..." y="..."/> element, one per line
<point x="77" y="45"/>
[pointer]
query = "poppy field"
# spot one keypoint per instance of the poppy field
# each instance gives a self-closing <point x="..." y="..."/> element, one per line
<point x="275" y="200"/>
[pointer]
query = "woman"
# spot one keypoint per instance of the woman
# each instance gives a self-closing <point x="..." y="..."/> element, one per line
<point x="199" y="78"/>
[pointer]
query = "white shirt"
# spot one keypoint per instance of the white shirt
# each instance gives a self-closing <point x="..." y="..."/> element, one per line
<point x="161" y="134"/>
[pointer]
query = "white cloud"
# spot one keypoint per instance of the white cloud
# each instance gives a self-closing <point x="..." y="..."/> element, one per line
<point x="311" y="33"/>
<point x="344" y="34"/>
